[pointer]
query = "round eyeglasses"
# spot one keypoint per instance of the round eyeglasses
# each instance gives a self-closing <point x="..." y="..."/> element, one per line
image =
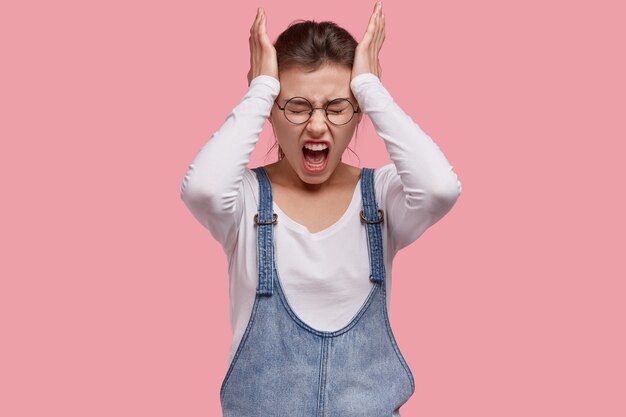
<point x="299" y="110"/>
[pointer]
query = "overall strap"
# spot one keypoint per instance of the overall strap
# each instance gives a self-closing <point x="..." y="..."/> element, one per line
<point x="265" y="220"/>
<point x="372" y="217"/>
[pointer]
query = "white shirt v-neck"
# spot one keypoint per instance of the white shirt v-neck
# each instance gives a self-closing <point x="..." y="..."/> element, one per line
<point x="300" y="228"/>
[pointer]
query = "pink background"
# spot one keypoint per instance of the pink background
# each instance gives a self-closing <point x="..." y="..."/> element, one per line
<point x="114" y="300"/>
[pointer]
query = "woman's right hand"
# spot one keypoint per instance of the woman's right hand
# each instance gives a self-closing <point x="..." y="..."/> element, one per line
<point x="263" y="59"/>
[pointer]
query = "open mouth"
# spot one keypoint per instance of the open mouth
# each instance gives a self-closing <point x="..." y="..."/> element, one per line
<point x="315" y="156"/>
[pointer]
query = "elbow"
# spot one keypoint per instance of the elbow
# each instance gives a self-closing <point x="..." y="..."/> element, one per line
<point x="206" y="196"/>
<point x="444" y="197"/>
<point x="190" y="187"/>
<point x="193" y="191"/>
<point x="447" y="192"/>
<point x="450" y="192"/>
<point x="194" y="195"/>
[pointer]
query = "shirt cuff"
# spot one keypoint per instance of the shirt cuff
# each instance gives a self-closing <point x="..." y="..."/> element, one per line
<point x="362" y="78"/>
<point x="370" y="92"/>
<point x="268" y="81"/>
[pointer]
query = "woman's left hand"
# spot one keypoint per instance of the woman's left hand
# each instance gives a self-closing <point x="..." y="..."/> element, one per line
<point x="366" y="54"/>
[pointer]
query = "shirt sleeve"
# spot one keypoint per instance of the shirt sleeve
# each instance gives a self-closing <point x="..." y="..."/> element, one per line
<point x="212" y="186"/>
<point x="420" y="186"/>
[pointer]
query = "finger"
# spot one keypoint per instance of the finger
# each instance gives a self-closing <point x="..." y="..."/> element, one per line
<point x="377" y="42"/>
<point x="254" y="33"/>
<point x="256" y="19"/>
<point x="263" y="35"/>
<point x="262" y="23"/>
<point x="259" y="21"/>
<point x="261" y="31"/>
<point x="381" y="36"/>
<point x="373" y="45"/>
<point x="376" y="37"/>
<point x="376" y="21"/>
<point x="257" y="25"/>
<point x="379" y="21"/>
<point x="371" y="25"/>
<point x="253" y="38"/>
<point x="380" y="33"/>
<point x="383" y="31"/>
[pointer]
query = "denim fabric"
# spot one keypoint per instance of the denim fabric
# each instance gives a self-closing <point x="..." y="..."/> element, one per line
<point x="285" y="368"/>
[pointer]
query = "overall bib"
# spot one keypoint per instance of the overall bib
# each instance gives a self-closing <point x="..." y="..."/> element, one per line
<point x="285" y="368"/>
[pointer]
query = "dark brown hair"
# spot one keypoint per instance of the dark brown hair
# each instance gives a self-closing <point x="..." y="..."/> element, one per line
<point x="309" y="45"/>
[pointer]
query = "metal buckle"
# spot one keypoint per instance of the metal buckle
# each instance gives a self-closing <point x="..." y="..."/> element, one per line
<point x="380" y="213"/>
<point x="274" y="219"/>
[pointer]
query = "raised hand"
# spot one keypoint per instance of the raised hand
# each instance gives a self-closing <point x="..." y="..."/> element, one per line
<point x="366" y="54"/>
<point x="262" y="52"/>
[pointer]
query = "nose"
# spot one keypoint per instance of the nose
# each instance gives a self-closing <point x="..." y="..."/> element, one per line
<point x="318" y="121"/>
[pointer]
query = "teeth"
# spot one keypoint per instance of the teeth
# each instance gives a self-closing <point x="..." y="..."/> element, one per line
<point x="315" y="147"/>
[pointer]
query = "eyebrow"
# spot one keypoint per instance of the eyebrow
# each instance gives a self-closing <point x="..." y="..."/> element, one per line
<point x="311" y="101"/>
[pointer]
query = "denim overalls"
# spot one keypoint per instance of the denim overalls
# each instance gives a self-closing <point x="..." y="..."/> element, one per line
<point x="285" y="368"/>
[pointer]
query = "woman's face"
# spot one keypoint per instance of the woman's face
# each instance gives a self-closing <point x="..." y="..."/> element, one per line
<point x="319" y="87"/>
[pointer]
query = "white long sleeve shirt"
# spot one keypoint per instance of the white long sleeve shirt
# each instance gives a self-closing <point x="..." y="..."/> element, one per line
<point x="325" y="275"/>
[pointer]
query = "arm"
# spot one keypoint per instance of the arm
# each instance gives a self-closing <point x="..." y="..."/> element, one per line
<point x="211" y="188"/>
<point x="421" y="185"/>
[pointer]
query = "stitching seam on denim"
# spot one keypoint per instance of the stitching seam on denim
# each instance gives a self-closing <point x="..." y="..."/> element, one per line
<point x="321" y="393"/>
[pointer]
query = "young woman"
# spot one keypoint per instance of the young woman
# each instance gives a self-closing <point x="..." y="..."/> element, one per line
<point x="310" y="239"/>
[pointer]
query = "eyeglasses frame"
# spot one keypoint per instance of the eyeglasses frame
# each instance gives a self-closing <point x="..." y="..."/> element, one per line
<point x="325" y="108"/>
